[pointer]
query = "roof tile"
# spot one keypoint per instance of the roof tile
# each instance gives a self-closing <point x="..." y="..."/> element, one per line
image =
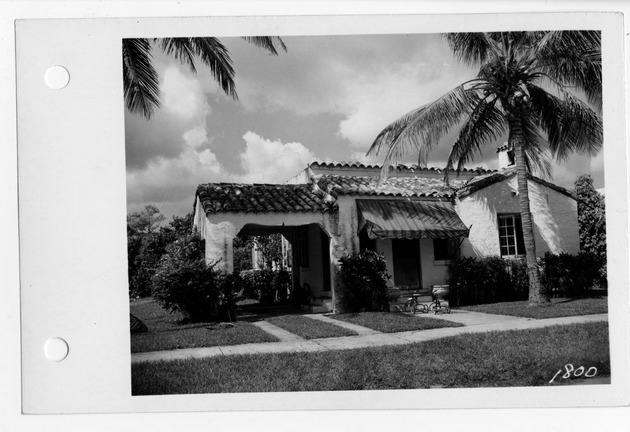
<point x="261" y="198"/>
<point x="390" y="186"/>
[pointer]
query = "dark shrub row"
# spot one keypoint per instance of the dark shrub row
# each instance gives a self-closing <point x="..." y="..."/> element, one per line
<point x="364" y="280"/>
<point x="566" y="275"/>
<point x="493" y="279"/>
<point x="487" y="280"/>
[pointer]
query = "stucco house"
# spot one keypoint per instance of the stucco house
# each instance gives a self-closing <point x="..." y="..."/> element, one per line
<point x="413" y="217"/>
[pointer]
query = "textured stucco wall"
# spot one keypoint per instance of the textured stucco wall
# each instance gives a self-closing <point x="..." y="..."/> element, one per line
<point x="219" y="230"/>
<point x="554" y="215"/>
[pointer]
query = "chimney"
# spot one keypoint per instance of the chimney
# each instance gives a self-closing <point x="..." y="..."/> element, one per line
<point x="506" y="156"/>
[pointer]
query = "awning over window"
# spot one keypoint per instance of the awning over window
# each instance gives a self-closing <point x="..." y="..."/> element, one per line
<point x="409" y="219"/>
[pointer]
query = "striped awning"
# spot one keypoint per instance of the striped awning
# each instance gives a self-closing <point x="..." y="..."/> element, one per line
<point x="409" y="219"/>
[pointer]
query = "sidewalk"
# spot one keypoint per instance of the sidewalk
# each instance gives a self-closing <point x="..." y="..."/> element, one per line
<point x="474" y="322"/>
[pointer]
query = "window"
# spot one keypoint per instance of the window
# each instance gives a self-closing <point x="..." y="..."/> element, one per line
<point x="511" y="235"/>
<point x="445" y="248"/>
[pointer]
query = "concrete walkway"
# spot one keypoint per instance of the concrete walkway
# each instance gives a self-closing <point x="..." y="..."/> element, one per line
<point x="474" y="322"/>
<point x="278" y="332"/>
<point x="360" y="330"/>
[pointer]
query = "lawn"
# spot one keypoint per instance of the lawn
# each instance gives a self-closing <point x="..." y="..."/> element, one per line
<point x="309" y="328"/>
<point x="167" y="333"/>
<point x="560" y="307"/>
<point x="494" y="359"/>
<point x="387" y="322"/>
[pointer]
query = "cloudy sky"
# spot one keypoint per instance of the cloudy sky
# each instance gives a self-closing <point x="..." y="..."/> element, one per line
<point x="325" y="99"/>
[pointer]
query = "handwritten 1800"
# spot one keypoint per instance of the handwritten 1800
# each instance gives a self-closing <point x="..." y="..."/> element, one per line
<point x="571" y="372"/>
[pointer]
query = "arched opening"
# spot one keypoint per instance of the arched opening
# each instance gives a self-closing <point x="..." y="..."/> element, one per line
<point x="300" y="251"/>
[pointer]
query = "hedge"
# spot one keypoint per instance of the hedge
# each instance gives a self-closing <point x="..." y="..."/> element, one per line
<point x="494" y="279"/>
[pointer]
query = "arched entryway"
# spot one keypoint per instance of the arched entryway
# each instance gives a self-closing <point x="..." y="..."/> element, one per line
<point x="309" y="262"/>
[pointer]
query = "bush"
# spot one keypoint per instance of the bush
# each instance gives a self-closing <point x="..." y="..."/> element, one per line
<point x="230" y="287"/>
<point x="487" y="280"/>
<point x="565" y="275"/>
<point x="265" y="285"/>
<point x="493" y="279"/>
<point x="183" y="282"/>
<point x="364" y="280"/>
<point x="282" y="283"/>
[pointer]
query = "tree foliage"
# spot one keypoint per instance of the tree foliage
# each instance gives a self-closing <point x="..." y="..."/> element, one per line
<point x="270" y="248"/>
<point x="591" y="216"/>
<point x="145" y="221"/>
<point x="591" y="220"/>
<point x="146" y="244"/>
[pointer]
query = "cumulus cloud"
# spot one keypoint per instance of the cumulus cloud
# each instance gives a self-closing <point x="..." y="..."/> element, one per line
<point x="183" y="95"/>
<point x="368" y="80"/>
<point x="271" y="161"/>
<point x="184" y="107"/>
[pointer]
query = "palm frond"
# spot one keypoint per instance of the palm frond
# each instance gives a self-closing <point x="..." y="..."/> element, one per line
<point x="267" y="43"/>
<point x="485" y="124"/>
<point x="421" y="129"/>
<point x="140" y="80"/>
<point x="570" y="124"/>
<point x="573" y="58"/>
<point x="537" y="157"/>
<point x="472" y="48"/>
<point x="180" y="48"/>
<point x="215" y="55"/>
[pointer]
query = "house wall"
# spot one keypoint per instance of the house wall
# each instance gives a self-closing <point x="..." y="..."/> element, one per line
<point x="554" y="215"/>
<point x="219" y="230"/>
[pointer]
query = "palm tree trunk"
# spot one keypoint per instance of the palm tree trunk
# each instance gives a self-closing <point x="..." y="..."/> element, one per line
<point x="537" y="294"/>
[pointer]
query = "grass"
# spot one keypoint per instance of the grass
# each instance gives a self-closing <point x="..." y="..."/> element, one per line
<point x="560" y="307"/>
<point x="166" y="332"/>
<point x="387" y="322"/>
<point x="309" y="328"/>
<point x="494" y="359"/>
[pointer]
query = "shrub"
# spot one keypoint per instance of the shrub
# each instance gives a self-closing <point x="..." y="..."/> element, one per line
<point x="487" y="280"/>
<point x="265" y="285"/>
<point x="493" y="279"/>
<point x="183" y="282"/>
<point x="282" y="284"/>
<point x="566" y="275"/>
<point x="230" y="288"/>
<point x="247" y="281"/>
<point x="364" y="280"/>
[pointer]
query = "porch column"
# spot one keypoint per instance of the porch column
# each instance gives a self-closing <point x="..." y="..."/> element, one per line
<point x="219" y="244"/>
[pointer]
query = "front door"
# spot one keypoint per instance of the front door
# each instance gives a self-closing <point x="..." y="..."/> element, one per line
<point x="406" y="255"/>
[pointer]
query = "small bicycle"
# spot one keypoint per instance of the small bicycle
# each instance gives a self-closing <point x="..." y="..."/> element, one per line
<point x="412" y="305"/>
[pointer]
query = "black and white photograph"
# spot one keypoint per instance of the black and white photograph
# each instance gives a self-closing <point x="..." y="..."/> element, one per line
<point x="302" y="217"/>
<point x="366" y="212"/>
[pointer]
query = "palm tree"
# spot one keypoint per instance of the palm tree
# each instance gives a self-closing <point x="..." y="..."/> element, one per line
<point x="523" y="88"/>
<point x="140" y="80"/>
